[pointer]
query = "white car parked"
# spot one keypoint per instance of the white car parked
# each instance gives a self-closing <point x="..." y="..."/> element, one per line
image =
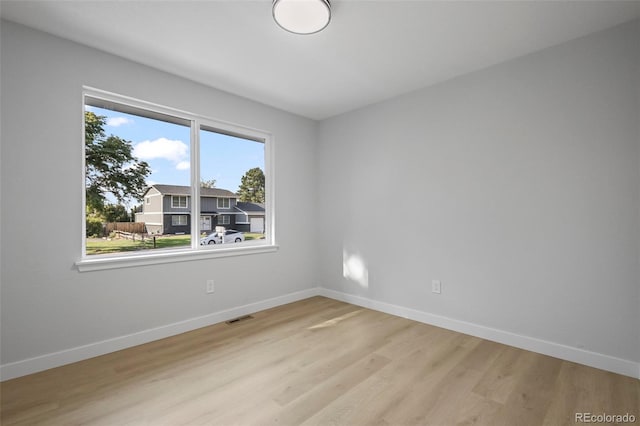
<point x="230" y="236"/>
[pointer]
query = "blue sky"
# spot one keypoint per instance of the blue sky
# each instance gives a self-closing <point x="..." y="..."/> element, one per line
<point x="165" y="146"/>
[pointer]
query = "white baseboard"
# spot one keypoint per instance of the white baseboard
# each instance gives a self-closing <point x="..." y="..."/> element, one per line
<point x="568" y="353"/>
<point x="581" y="356"/>
<point x="67" y="356"/>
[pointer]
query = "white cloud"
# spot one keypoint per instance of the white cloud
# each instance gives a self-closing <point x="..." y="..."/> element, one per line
<point x="173" y="150"/>
<point x="183" y="165"/>
<point x="118" y="121"/>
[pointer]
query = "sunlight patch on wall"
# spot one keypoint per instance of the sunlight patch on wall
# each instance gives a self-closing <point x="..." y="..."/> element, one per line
<point x="355" y="269"/>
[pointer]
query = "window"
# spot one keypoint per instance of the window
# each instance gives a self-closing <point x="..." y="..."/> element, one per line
<point x="179" y="201"/>
<point x="169" y="154"/>
<point x="179" y="220"/>
<point x="224" y="203"/>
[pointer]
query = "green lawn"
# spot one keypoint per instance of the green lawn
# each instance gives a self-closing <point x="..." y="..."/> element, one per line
<point x="100" y="246"/>
<point x="252" y="236"/>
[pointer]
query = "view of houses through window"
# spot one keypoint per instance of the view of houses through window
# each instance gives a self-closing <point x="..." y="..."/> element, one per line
<point x="139" y="182"/>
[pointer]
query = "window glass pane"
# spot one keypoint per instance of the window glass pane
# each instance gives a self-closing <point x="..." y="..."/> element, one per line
<point x="179" y="220"/>
<point x="136" y="161"/>
<point x="179" y="202"/>
<point x="233" y="185"/>
<point x="224" y="203"/>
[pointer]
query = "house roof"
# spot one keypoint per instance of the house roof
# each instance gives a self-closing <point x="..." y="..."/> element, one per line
<point x="186" y="190"/>
<point x="250" y="207"/>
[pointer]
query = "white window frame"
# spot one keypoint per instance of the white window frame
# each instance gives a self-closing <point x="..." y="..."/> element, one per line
<point x="179" y="197"/>
<point x="223" y="199"/>
<point x="224" y="219"/>
<point x="178" y="216"/>
<point x="195" y="251"/>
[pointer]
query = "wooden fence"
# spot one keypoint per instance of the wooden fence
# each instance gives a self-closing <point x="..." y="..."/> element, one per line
<point x="130" y="227"/>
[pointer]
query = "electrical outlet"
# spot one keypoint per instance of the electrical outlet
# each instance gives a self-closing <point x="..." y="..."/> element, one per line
<point x="210" y="286"/>
<point x="436" y="286"/>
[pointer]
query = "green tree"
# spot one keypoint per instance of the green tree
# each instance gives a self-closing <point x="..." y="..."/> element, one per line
<point x="252" y="186"/>
<point x="94" y="223"/>
<point x="211" y="183"/>
<point x="111" y="167"/>
<point x="116" y="213"/>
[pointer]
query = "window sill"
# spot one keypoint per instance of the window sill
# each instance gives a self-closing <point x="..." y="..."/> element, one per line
<point x="99" y="263"/>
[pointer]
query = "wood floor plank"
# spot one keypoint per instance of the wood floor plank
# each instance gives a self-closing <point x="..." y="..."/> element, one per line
<point x="501" y="376"/>
<point x="339" y="353"/>
<point x="372" y="400"/>
<point x="454" y="391"/>
<point x="581" y="389"/>
<point x="531" y="396"/>
<point x="476" y="410"/>
<point x="417" y="394"/>
<point x="356" y="407"/>
<point x="317" y="362"/>
<point x="313" y="401"/>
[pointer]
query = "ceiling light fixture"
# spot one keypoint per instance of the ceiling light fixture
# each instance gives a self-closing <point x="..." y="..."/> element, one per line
<point x="302" y="16"/>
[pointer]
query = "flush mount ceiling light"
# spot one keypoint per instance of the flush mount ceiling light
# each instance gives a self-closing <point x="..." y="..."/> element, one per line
<point x="302" y="16"/>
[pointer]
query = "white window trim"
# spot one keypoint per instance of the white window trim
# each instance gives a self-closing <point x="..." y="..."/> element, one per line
<point x="186" y="201"/>
<point x="223" y="206"/>
<point x="127" y="260"/>
<point x="225" y="222"/>
<point x="195" y="252"/>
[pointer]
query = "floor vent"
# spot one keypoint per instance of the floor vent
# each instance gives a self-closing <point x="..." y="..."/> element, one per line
<point x="239" y="319"/>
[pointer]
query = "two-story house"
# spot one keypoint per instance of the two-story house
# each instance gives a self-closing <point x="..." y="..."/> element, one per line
<point x="166" y="209"/>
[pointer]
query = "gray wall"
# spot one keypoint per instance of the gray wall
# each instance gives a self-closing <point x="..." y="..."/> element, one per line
<point x="47" y="305"/>
<point x="522" y="185"/>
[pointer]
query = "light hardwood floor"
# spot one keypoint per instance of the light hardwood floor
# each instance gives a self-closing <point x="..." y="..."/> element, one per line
<point x="318" y="362"/>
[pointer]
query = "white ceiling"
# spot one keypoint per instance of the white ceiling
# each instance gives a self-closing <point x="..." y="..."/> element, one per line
<point x="372" y="50"/>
